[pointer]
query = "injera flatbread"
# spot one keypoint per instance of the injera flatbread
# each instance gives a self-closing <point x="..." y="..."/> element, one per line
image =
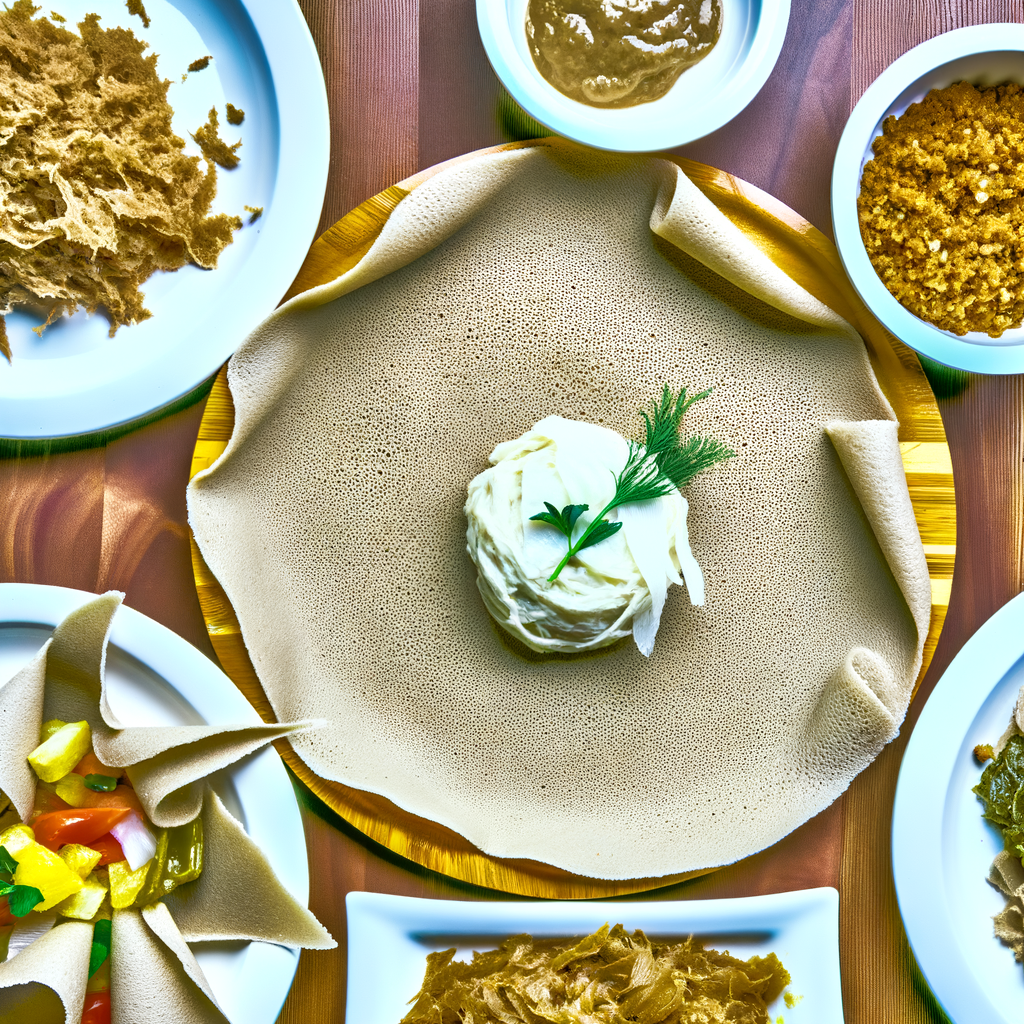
<point x="505" y="289"/>
<point x="45" y="982"/>
<point x="165" y="763"/>
<point x="154" y="975"/>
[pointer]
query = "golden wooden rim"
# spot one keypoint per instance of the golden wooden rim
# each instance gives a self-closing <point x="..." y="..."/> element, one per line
<point x="810" y="259"/>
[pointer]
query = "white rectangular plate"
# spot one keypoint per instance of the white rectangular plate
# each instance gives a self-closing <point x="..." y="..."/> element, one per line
<point x="389" y="938"/>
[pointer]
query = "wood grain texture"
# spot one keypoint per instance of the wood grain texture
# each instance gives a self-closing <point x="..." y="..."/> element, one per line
<point x="369" y="50"/>
<point x="110" y="517"/>
<point x="458" y="91"/>
<point x="884" y="30"/>
<point x="786" y="138"/>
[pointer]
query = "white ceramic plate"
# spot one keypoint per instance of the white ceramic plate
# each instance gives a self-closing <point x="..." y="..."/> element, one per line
<point x="704" y="97"/>
<point x="390" y="936"/>
<point x="941" y="846"/>
<point x="984" y="55"/>
<point x="75" y="379"/>
<point x="157" y="678"/>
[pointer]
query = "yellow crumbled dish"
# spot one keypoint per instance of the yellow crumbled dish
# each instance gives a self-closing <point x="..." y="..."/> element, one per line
<point x="96" y="193"/>
<point x="942" y="208"/>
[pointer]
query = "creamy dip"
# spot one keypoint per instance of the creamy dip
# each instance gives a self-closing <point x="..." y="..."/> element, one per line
<point x="618" y="53"/>
<point x="606" y="591"/>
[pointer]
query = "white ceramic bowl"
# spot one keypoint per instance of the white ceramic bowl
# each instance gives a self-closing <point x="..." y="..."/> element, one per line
<point x="984" y="55"/>
<point x="704" y="98"/>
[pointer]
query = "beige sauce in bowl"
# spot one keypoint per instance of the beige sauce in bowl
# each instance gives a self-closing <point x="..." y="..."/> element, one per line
<point x="618" y="53"/>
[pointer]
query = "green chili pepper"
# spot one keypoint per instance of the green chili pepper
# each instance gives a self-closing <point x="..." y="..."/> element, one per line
<point x="101" y="783"/>
<point x="100" y="945"/>
<point x="178" y="859"/>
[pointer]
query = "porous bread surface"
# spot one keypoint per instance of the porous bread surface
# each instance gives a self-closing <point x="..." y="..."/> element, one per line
<point x="165" y="763"/>
<point x="153" y="978"/>
<point x="238" y="895"/>
<point x="21" y="712"/>
<point x="45" y="982"/>
<point x="334" y="522"/>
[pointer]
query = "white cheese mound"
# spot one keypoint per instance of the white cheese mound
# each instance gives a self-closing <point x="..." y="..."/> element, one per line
<point x="607" y="591"/>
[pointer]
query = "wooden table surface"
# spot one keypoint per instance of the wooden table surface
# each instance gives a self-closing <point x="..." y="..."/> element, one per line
<point x="409" y="86"/>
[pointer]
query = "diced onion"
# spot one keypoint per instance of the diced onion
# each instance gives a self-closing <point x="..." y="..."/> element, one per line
<point x="137" y="842"/>
<point x="29" y="928"/>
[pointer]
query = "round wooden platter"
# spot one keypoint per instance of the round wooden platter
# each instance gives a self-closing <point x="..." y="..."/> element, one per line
<point x="808" y="257"/>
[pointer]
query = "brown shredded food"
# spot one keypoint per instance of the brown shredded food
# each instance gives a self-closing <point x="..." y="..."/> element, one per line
<point x="134" y="7"/>
<point x="96" y="193"/>
<point x="610" y="976"/>
<point x="942" y="208"/>
<point x="213" y="146"/>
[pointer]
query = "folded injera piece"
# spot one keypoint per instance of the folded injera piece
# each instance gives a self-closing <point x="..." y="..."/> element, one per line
<point x="555" y="280"/>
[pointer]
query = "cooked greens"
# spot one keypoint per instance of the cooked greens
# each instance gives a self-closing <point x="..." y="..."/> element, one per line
<point x="609" y="976"/>
<point x="1001" y="789"/>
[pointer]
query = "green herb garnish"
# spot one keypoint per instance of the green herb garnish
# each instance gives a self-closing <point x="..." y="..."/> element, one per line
<point x="663" y="462"/>
<point x="20" y="898"/>
<point x="101" y="783"/>
<point x="8" y="865"/>
<point x="100" y="945"/>
<point x="1001" y="789"/>
<point x="564" y="522"/>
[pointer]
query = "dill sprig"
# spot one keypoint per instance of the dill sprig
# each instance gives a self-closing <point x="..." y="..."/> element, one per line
<point x="653" y="469"/>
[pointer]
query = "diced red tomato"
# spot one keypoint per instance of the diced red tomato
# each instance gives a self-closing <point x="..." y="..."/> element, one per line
<point x="97" y="1008"/>
<point x="122" y="796"/>
<point x="109" y="847"/>
<point x="76" y="825"/>
<point x="6" y="917"/>
<point x="92" y="765"/>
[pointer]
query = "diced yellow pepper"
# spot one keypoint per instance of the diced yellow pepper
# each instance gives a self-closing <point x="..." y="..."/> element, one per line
<point x="42" y="868"/>
<point x="81" y="859"/>
<point x="72" y="789"/>
<point x="16" y="838"/>
<point x="55" y="757"/>
<point x="85" y="903"/>
<point x="126" y="884"/>
<point x="47" y="729"/>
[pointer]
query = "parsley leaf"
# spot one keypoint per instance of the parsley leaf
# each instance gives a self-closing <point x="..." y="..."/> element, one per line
<point x="20" y="898"/>
<point x="601" y="531"/>
<point x="562" y="521"/>
<point x="653" y="469"/>
<point x="8" y="865"/>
